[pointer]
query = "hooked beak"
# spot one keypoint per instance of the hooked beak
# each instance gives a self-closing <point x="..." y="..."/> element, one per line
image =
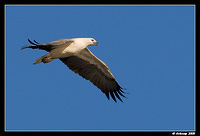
<point x="96" y="43"/>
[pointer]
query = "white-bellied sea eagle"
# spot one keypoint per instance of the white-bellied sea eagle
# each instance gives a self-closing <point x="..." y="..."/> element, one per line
<point x="75" y="54"/>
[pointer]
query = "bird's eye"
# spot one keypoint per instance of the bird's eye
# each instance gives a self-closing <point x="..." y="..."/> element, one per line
<point x="92" y="40"/>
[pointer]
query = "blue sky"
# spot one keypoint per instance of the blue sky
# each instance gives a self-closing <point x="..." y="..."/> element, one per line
<point x="149" y="49"/>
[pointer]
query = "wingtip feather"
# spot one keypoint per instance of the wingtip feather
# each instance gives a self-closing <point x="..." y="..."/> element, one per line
<point x="107" y="95"/>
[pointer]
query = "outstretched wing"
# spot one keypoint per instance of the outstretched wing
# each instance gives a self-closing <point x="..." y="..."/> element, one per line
<point x="91" y="68"/>
<point x="48" y="46"/>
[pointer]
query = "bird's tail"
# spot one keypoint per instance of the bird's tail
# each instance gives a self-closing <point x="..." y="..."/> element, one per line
<point x="44" y="59"/>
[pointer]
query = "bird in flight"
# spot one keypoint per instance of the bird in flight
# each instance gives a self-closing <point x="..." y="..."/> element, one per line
<point x="75" y="54"/>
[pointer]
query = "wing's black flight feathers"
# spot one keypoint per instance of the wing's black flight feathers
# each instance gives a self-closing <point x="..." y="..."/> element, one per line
<point x="36" y="41"/>
<point x="32" y="42"/>
<point x="78" y="65"/>
<point x="36" y="45"/>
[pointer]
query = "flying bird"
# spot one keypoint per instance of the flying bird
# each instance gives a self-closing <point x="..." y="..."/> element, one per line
<point x="75" y="54"/>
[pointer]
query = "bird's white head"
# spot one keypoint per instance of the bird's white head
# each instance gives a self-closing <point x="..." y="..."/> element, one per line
<point x="85" y="41"/>
<point x="89" y="41"/>
<point x="92" y="41"/>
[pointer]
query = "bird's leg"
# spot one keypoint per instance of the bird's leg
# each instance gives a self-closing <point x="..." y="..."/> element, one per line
<point x="47" y="60"/>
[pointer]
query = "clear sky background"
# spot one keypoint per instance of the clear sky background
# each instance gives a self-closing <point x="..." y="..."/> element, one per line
<point x="149" y="49"/>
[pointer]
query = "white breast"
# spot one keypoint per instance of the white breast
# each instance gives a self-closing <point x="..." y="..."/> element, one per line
<point x="72" y="49"/>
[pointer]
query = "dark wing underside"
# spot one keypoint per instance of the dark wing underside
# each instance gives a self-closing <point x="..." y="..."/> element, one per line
<point x="91" y="72"/>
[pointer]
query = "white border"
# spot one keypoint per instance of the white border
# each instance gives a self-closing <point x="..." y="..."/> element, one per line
<point x="109" y="130"/>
